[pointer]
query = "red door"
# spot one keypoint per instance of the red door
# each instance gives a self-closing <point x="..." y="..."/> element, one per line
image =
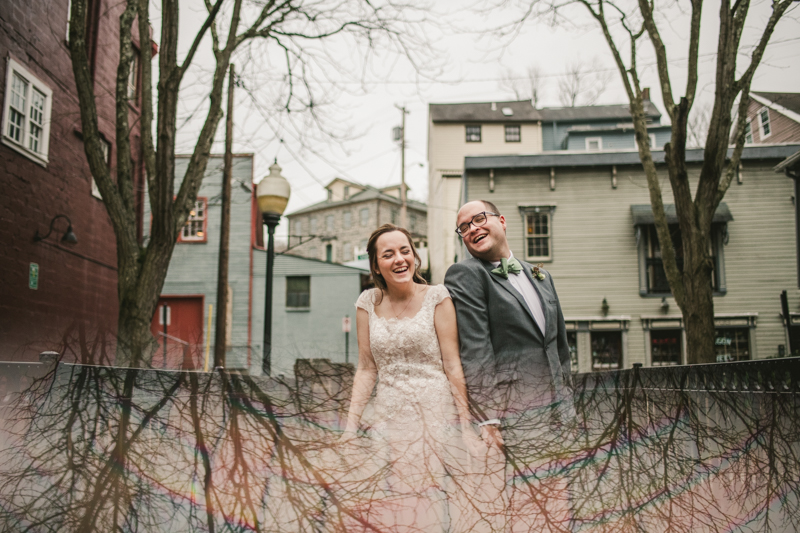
<point x="183" y="332"/>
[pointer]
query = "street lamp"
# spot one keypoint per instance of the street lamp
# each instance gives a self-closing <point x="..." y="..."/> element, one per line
<point x="273" y="194"/>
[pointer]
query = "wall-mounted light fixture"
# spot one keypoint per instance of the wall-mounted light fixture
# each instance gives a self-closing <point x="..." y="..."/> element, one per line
<point x="605" y="307"/>
<point x="664" y="304"/>
<point x="69" y="235"/>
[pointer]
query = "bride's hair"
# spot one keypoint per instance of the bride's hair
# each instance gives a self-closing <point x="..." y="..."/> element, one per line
<point x="372" y="251"/>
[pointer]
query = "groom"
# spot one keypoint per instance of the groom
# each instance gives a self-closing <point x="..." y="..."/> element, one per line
<point x="511" y="330"/>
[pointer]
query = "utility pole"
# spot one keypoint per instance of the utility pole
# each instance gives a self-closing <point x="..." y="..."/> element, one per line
<point x="221" y="336"/>
<point x="403" y="196"/>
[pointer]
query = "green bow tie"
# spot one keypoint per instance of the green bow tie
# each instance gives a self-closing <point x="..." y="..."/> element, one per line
<point x="506" y="266"/>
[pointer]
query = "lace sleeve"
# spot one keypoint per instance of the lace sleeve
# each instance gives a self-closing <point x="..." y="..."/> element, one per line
<point x="365" y="301"/>
<point x="440" y="292"/>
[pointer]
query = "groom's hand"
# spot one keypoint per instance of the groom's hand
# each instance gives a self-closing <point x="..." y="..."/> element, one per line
<point x="490" y="433"/>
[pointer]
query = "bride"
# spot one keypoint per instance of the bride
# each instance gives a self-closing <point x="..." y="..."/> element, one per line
<point x="421" y="425"/>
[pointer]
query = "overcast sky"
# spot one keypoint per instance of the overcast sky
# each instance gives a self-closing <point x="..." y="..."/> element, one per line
<point x="470" y="64"/>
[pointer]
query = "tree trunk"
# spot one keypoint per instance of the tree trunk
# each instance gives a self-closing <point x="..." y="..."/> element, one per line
<point x="698" y="307"/>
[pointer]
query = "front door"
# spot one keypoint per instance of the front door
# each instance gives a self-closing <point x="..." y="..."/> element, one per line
<point x="178" y="327"/>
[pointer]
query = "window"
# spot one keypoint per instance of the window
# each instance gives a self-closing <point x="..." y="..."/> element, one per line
<point x="195" y="228"/>
<point x="572" y="342"/>
<point x="106" y="147"/>
<point x="330" y="195"/>
<point x="512" y="134"/>
<point x="748" y="133"/>
<point x="347" y="252"/>
<point x="763" y="123"/>
<point x="606" y="350"/>
<point x="133" y="76"/>
<point x="412" y="222"/>
<point x="656" y="276"/>
<point x="346" y="192"/>
<point x="329" y="223"/>
<point x="732" y="344"/>
<point x="329" y="253"/>
<point x="594" y="144"/>
<point x="473" y="134"/>
<point x="538" y="232"/>
<point x="26" y="113"/>
<point x="665" y="347"/>
<point x="347" y="219"/>
<point x="394" y="216"/>
<point x="364" y="216"/>
<point x="313" y="225"/>
<point x="298" y="292"/>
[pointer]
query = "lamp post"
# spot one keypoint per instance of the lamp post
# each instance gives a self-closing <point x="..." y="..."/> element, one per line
<point x="273" y="194"/>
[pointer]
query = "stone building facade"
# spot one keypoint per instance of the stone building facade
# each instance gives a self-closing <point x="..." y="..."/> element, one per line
<point x="337" y="229"/>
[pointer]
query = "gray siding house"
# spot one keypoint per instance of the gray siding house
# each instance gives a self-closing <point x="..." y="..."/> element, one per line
<point x="310" y="297"/>
<point x="309" y="300"/>
<point x="587" y="218"/>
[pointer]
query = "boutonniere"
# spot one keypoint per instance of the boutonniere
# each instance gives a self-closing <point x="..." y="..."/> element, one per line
<point x="538" y="274"/>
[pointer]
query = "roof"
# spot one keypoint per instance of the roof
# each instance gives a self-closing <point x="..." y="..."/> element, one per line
<point x="369" y="193"/>
<point x="618" y="127"/>
<point x="789" y="163"/>
<point x="629" y="157"/>
<point x="523" y="111"/>
<point x="790" y="101"/>
<point x="643" y="214"/>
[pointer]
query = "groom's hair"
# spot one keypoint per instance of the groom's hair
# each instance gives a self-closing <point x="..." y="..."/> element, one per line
<point x="490" y="207"/>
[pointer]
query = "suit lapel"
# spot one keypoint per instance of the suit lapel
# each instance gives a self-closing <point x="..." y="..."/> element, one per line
<point x="503" y="282"/>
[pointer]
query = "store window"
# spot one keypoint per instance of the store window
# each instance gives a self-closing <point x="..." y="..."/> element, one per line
<point x="572" y="342"/>
<point x="606" y="350"/>
<point x="732" y="344"/>
<point x="665" y="347"/>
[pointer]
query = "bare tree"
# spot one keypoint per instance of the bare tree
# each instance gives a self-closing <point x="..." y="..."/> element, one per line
<point x="624" y="26"/>
<point x="282" y="25"/>
<point x="582" y="86"/>
<point x="524" y="87"/>
<point x="697" y="128"/>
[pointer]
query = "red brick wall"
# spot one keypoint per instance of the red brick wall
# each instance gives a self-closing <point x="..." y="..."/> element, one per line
<point x="77" y="283"/>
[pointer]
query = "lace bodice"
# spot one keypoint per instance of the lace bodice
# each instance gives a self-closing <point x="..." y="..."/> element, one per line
<point x="411" y="379"/>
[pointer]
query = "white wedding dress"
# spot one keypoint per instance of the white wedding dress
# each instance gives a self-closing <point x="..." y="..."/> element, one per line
<point x="415" y="428"/>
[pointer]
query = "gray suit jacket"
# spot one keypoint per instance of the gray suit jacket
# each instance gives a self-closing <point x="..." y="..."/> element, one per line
<point x="505" y="355"/>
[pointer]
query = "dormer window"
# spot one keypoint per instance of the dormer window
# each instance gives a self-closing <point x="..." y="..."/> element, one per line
<point x="330" y="195"/>
<point x="594" y="144"/>
<point x="346" y="192"/>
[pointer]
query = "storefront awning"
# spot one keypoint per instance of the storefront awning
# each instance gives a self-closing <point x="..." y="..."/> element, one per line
<point x="643" y="214"/>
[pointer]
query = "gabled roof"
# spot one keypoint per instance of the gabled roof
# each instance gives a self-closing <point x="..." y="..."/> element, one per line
<point x="788" y="101"/>
<point x="347" y="182"/>
<point x="369" y="193"/>
<point x="523" y="111"/>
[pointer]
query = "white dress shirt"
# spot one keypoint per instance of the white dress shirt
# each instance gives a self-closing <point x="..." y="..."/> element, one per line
<point x="523" y="285"/>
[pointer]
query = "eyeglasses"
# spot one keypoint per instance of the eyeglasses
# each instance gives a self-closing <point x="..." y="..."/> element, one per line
<point x="477" y="221"/>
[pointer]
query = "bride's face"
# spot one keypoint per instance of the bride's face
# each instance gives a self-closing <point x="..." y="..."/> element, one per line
<point x="395" y="258"/>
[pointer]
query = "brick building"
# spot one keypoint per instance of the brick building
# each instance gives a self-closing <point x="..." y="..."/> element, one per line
<point x="337" y="229"/>
<point x="50" y="287"/>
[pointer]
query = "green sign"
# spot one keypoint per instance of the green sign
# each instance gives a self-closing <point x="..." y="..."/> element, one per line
<point x="33" y="276"/>
<point x="362" y="256"/>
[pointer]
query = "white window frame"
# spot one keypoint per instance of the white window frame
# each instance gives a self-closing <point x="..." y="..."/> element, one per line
<point x="761" y="123"/>
<point x="41" y="156"/>
<point x="133" y="77"/>
<point x="748" y="133"/>
<point x="593" y="139"/>
<point x="531" y="210"/>
<point x="106" y="147"/>
<point x="196" y="224"/>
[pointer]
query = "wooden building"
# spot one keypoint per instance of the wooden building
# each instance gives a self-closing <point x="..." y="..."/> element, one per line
<point x="587" y="218"/>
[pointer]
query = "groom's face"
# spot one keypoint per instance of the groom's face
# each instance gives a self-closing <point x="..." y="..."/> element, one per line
<point x="487" y="242"/>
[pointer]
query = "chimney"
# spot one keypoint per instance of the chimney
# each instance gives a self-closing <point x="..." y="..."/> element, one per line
<point x="646" y="94"/>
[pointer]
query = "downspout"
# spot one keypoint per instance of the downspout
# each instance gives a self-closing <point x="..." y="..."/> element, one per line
<point x="796" y="177"/>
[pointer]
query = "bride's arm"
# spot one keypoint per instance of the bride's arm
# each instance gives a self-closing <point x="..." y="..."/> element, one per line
<point x="444" y="320"/>
<point x="366" y="374"/>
